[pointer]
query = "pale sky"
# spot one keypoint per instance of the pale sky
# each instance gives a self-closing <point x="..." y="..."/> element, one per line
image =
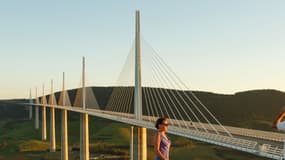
<point x="221" y="46"/>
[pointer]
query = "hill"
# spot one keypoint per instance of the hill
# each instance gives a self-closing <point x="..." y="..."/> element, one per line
<point x="255" y="109"/>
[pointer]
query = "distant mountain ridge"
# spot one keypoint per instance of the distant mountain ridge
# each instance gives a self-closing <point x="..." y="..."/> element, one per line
<point x="250" y="109"/>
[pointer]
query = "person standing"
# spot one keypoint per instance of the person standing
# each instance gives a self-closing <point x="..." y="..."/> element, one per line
<point x="279" y="123"/>
<point x="161" y="141"/>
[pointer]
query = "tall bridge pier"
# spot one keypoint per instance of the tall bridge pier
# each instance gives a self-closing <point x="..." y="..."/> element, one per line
<point x="138" y="143"/>
<point x="64" y="127"/>
<point x="37" y="113"/>
<point x="52" y="121"/>
<point x="139" y="134"/>
<point x="44" y="120"/>
<point x="84" y="128"/>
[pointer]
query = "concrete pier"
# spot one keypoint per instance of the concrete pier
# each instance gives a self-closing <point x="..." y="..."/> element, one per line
<point x="44" y="124"/>
<point x="44" y="119"/>
<point x="37" y="123"/>
<point x="140" y="143"/>
<point x="131" y="143"/>
<point x="64" y="127"/>
<point x="64" y="135"/>
<point x="84" y="126"/>
<point x="52" y="130"/>
<point x="84" y="137"/>
<point x="52" y="121"/>
<point x="30" y="112"/>
<point x="139" y="133"/>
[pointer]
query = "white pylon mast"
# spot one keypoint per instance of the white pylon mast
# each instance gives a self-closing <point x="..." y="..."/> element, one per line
<point x="51" y="92"/>
<point x="63" y="90"/>
<point x="138" y="89"/>
<point x="64" y="126"/>
<point x="83" y="84"/>
<point x="84" y="127"/>
<point x="52" y="121"/>
<point x="44" y="130"/>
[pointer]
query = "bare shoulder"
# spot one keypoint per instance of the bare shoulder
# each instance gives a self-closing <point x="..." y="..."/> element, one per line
<point x="157" y="135"/>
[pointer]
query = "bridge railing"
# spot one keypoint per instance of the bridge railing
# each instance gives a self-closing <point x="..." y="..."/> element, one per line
<point x="275" y="152"/>
<point x="217" y="139"/>
<point x="273" y="136"/>
<point x="265" y="150"/>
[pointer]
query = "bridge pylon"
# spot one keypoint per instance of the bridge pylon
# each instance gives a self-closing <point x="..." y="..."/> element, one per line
<point x="132" y="143"/>
<point x="138" y="145"/>
<point x="52" y="121"/>
<point x="64" y="127"/>
<point x="44" y="119"/>
<point x="84" y="127"/>
<point x="138" y="86"/>
<point x="139" y="133"/>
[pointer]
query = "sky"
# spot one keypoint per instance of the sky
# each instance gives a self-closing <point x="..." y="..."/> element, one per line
<point x="219" y="46"/>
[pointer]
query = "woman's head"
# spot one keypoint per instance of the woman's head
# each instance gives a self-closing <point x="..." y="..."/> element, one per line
<point x="161" y="122"/>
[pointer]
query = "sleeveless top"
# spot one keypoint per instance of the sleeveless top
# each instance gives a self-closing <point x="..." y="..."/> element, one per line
<point x="164" y="146"/>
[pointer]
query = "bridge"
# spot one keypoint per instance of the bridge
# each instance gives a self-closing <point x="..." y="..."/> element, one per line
<point x="139" y="103"/>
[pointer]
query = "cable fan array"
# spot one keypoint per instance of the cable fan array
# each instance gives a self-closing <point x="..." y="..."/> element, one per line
<point x="163" y="95"/>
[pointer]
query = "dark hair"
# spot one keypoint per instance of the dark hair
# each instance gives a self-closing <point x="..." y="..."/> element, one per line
<point x="159" y="121"/>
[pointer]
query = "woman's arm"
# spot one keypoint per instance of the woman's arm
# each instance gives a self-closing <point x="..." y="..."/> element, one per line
<point x="157" y="145"/>
<point x="278" y="119"/>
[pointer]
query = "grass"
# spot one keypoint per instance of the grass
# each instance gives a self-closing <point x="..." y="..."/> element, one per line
<point x="33" y="145"/>
<point x="202" y="151"/>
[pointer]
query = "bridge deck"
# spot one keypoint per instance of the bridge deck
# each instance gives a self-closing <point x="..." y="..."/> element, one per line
<point x="262" y="143"/>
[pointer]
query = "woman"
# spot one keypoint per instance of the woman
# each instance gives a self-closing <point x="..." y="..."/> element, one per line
<point x="161" y="142"/>
<point x="279" y="123"/>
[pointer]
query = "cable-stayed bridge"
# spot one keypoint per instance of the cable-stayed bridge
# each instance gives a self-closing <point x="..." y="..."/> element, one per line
<point x="139" y="101"/>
